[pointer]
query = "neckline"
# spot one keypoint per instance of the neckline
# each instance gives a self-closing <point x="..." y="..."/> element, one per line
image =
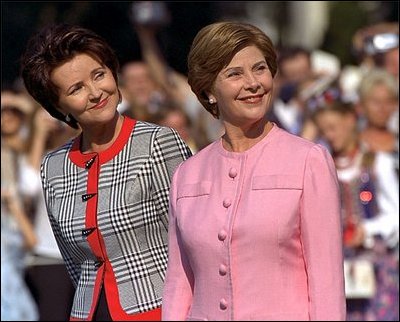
<point x="80" y="159"/>
<point x="254" y="148"/>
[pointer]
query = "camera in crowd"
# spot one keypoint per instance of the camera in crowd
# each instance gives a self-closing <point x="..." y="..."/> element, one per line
<point x="380" y="43"/>
<point x="375" y="40"/>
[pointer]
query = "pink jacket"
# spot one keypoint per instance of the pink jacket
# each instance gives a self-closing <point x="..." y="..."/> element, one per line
<point x="256" y="235"/>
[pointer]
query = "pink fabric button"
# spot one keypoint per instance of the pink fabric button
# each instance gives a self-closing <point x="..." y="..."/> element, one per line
<point x="227" y="202"/>
<point x="223" y="304"/>
<point x="222" y="235"/>
<point x="222" y="270"/>
<point x="232" y="173"/>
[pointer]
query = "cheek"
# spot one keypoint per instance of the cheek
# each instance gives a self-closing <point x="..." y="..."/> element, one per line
<point x="110" y="84"/>
<point x="330" y="134"/>
<point x="267" y="83"/>
<point x="73" y="103"/>
<point x="226" y="93"/>
<point x="10" y="125"/>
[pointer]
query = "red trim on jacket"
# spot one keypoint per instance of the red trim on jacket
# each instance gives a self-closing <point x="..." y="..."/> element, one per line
<point x="80" y="159"/>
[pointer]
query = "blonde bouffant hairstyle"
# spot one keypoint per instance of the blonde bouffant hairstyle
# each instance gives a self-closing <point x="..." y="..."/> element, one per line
<point x="214" y="47"/>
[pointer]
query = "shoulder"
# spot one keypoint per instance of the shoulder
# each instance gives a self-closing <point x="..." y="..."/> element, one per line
<point x="205" y="155"/>
<point x="165" y="138"/>
<point x="284" y="137"/>
<point x="294" y="152"/>
<point x="52" y="162"/>
<point x="143" y="128"/>
<point x="153" y="130"/>
<point x="296" y="145"/>
<point x="59" y="153"/>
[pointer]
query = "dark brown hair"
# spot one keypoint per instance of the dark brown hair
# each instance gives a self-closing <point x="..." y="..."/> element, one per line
<point x="50" y="48"/>
<point x="214" y="47"/>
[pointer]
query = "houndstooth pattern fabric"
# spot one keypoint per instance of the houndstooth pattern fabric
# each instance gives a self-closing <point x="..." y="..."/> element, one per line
<point x="131" y="213"/>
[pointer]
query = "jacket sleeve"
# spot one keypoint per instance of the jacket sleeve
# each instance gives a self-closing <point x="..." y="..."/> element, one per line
<point x="169" y="150"/>
<point x="178" y="286"/>
<point x="73" y="268"/>
<point x="321" y="234"/>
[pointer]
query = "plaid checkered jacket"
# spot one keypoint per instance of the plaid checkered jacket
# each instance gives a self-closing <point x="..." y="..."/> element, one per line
<point x="109" y="214"/>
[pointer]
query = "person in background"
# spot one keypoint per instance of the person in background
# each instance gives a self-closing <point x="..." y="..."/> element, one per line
<point x="142" y="97"/>
<point x="16" y="112"/>
<point x="17" y="234"/>
<point x="106" y="190"/>
<point x="370" y="207"/>
<point x="17" y="240"/>
<point x="148" y="19"/>
<point x="377" y="46"/>
<point x="379" y="100"/>
<point x="46" y="273"/>
<point x="255" y="227"/>
<point x="177" y="119"/>
<point x="294" y="67"/>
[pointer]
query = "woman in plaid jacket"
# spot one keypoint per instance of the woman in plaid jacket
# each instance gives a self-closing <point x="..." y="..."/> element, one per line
<point x="106" y="191"/>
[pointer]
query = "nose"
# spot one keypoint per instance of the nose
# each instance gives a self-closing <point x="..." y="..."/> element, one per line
<point x="251" y="82"/>
<point x="94" y="92"/>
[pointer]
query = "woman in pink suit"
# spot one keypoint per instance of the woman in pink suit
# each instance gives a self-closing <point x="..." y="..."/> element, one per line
<point x="255" y="226"/>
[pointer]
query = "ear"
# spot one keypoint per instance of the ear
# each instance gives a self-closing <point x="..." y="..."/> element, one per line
<point x="211" y="98"/>
<point x="209" y="94"/>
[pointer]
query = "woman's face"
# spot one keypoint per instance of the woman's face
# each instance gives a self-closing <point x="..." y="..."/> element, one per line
<point x="138" y="83"/>
<point x="242" y="90"/>
<point x="87" y="90"/>
<point x="12" y="120"/>
<point x="379" y="105"/>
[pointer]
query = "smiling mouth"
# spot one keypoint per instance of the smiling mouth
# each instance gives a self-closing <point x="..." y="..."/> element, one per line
<point x="101" y="104"/>
<point x="252" y="99"/>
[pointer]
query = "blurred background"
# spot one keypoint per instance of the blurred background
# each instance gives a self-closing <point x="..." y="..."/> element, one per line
<point x="337" y="85"/>
<point x="328" y="25"/>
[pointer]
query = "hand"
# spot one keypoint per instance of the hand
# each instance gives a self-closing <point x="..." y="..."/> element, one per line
<point x="150" y="13"/>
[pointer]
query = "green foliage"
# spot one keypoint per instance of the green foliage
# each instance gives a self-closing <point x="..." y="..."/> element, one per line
<point x="346" y="17"/>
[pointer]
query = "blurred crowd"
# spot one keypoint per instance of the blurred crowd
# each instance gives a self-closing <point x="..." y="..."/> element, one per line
<point x="352" y="110"/>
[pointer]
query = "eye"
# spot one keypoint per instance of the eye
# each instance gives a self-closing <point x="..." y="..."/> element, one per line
<point x="75" y="90"/>
<point x="99" y="75"/>
<point x="261" y="68"/>
<point x="233" y="73"/>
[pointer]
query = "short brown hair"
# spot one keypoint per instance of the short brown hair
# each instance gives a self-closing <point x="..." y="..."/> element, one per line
<point x="214" y="47"/>
<point x="50" y="48"/>
<point x="337" y="106"/>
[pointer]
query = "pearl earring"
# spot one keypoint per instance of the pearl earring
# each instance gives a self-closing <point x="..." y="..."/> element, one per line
<point x="67" y="118"/>
<point x="211" y="101"/>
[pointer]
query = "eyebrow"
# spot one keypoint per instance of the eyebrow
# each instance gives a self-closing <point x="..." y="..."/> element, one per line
<point x="238" y="67"/>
